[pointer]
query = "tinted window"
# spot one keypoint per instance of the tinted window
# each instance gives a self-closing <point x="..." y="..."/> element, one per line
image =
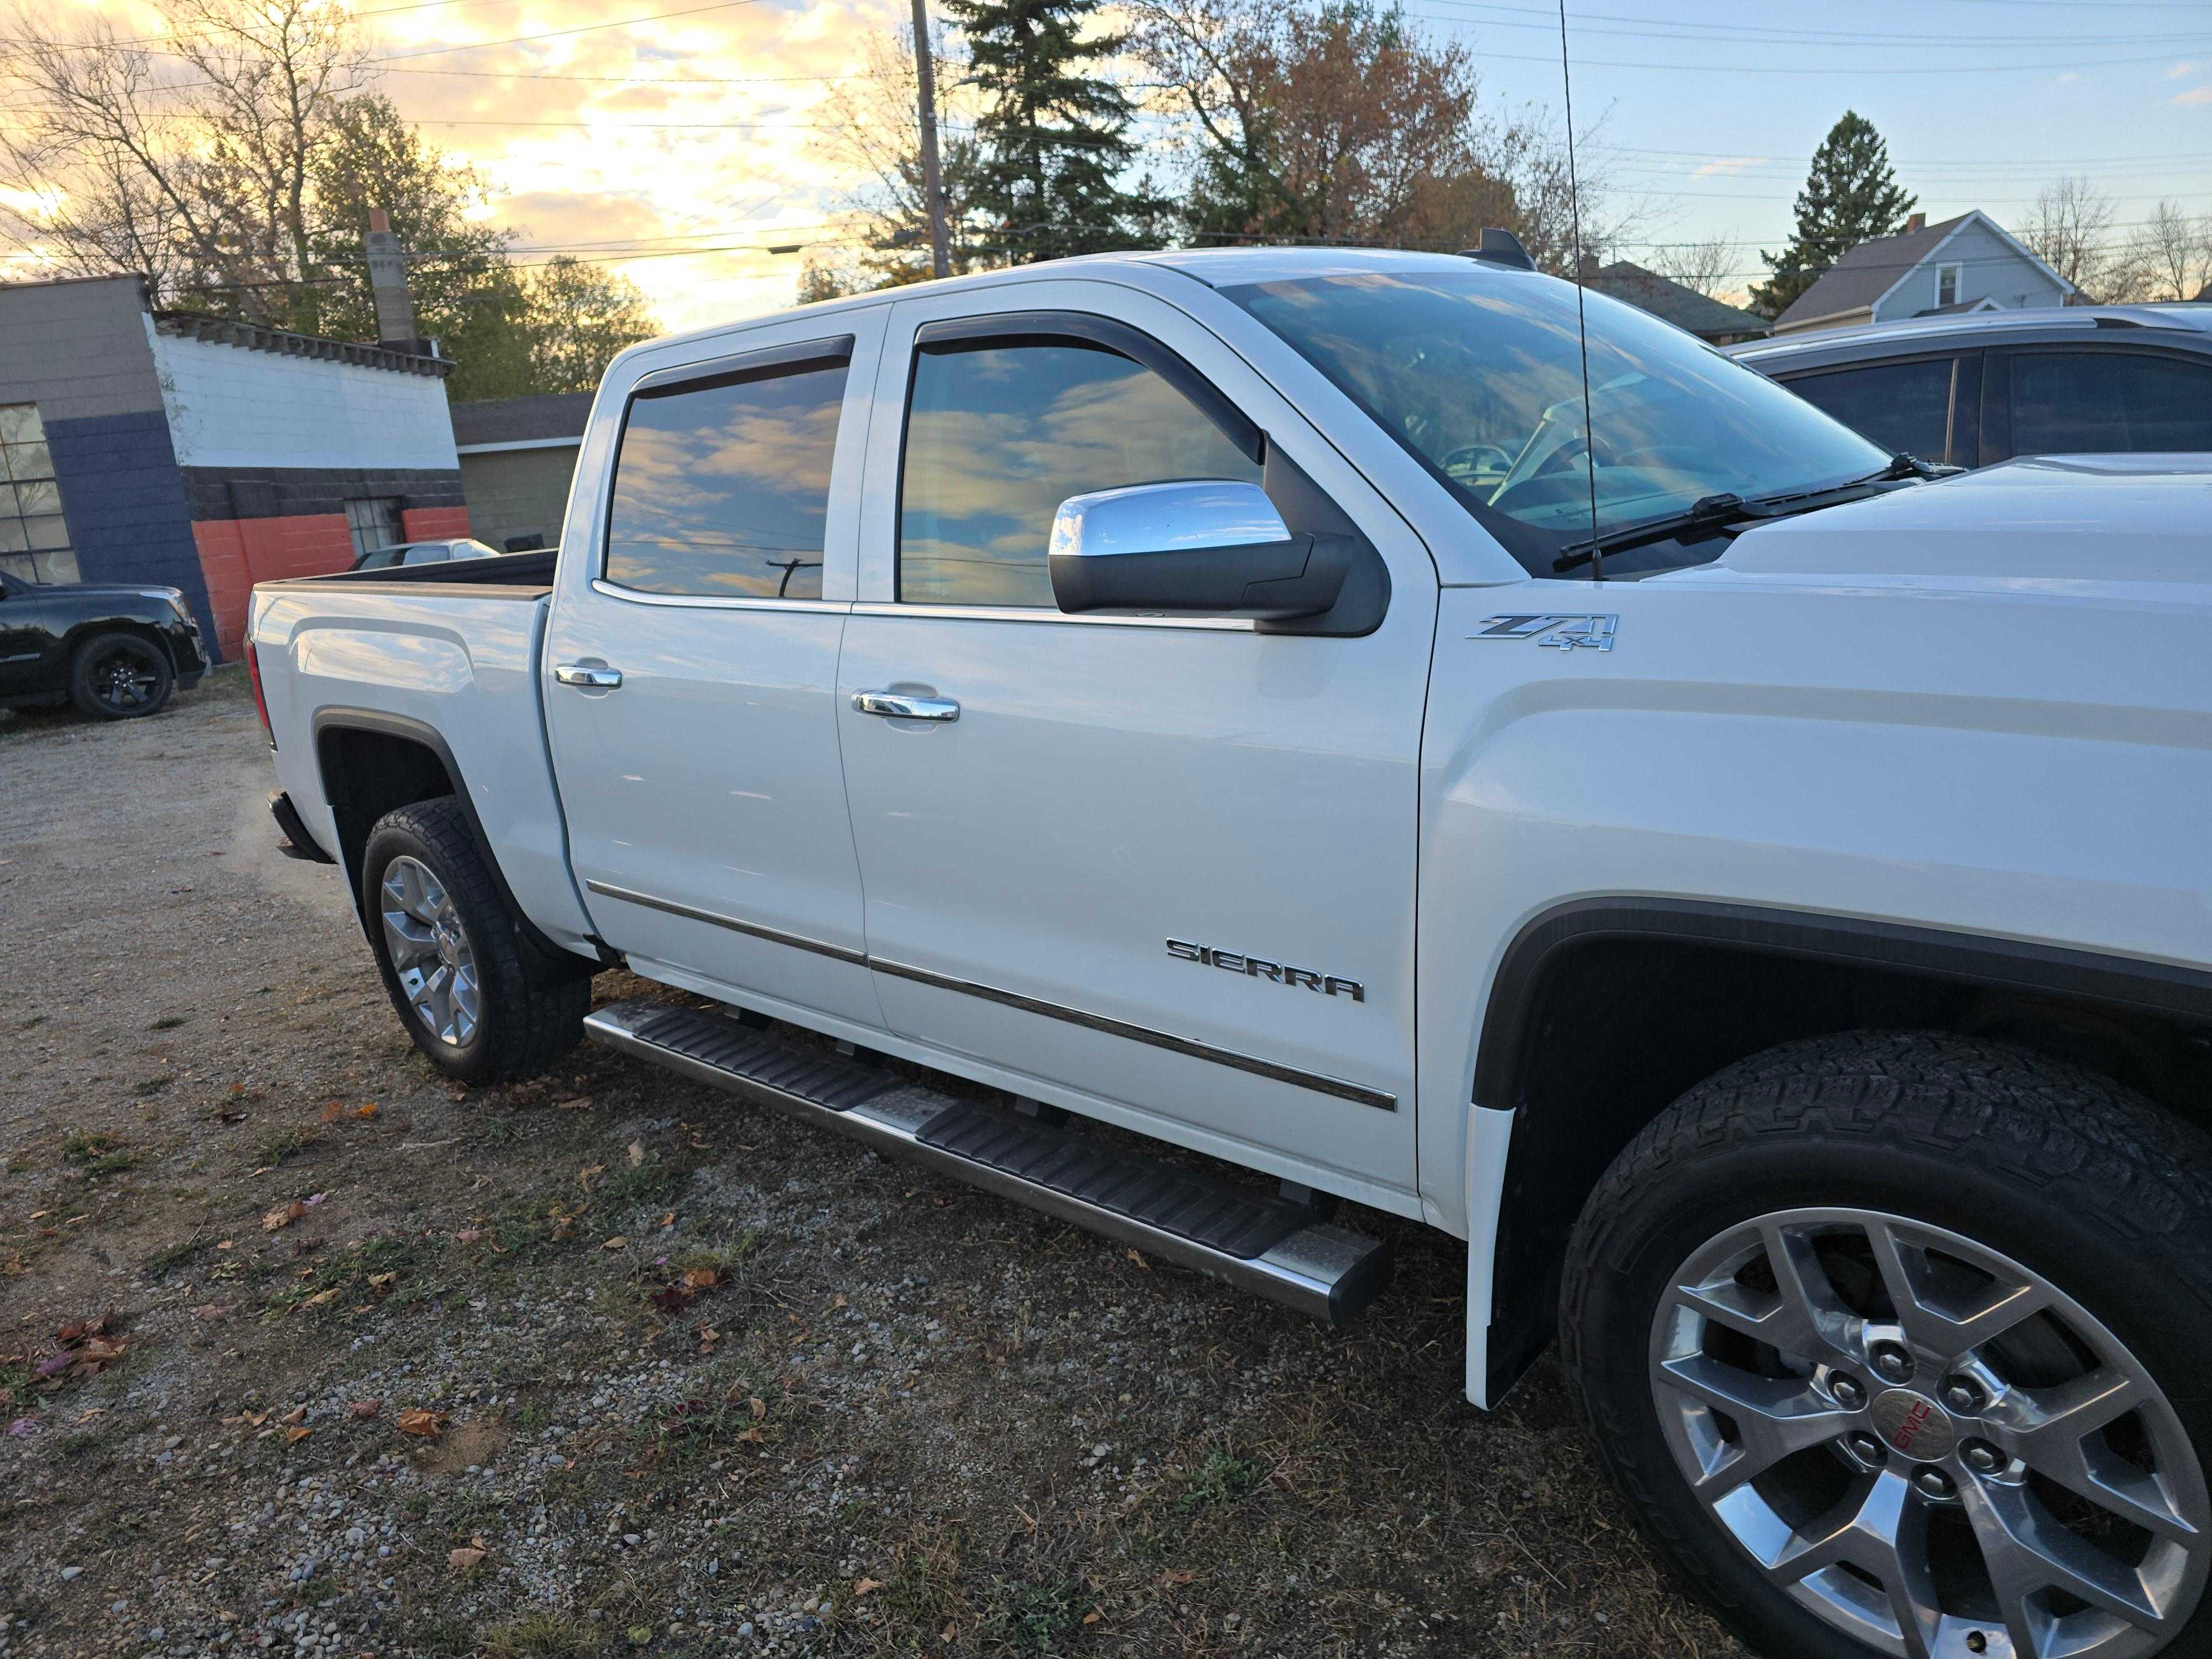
<point x="724" y="489"/>
<point x="1904" y="407"/>
<point x="2096" y="402"/>
<point x="429" y="553"/>
<point x="998" y="437"/>
<point x="1479" y="374"/>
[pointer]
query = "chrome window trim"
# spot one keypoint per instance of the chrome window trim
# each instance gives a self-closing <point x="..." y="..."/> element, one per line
<point x="1318" y="1082"/>
<point x="1044" y="613"/>
<point x="611" y="590"/>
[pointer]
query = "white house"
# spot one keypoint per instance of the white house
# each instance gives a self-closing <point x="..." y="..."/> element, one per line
<point x="1970" y="263"/>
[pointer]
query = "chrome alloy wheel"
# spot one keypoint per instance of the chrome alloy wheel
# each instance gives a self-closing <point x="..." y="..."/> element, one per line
<point x="430" y="950"/>
<point x="1932" y="1448"/>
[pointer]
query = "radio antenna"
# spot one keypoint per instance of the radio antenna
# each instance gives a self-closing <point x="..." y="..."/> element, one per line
<point x="1581" y="323"/>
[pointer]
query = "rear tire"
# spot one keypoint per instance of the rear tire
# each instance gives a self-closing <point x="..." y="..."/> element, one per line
<point x="478" y="998"/>
<point x="1729" y="1294"/>
<point x="120" y="676"/>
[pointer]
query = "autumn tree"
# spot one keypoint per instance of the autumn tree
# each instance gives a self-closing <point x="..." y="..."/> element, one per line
<point x="1850" y="196"/>
<point x="1341" y="121"/>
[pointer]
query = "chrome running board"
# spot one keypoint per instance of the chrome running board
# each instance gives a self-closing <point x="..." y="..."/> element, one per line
<point x="1284" y="1251"/>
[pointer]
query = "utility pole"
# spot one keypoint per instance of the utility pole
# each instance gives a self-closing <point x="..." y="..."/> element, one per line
<point x="933" y="179"/>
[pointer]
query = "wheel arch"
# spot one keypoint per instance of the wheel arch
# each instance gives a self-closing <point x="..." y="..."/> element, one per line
<point x="370" y="762"/>
<point x="1605" y="1011"/>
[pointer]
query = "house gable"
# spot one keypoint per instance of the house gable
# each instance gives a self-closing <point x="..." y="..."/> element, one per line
<point x="1987" y="263"/>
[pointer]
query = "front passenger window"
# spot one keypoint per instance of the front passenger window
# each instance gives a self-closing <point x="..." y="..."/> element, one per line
<point x="998" y="433"/>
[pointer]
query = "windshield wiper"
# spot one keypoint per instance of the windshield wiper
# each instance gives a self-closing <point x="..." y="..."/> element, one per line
<point x="1719" y="512"/>
<point x="1706" y="512"/>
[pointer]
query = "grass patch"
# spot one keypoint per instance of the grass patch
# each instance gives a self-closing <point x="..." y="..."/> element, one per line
<point x="1222" y="1479"/>
<point x="1034" y="1618"/>
<point x="167" y="1023"/>
<point x="282" y="1147"/>
<point x="98" y="1154"/>
<point x="358" y="1276"/>
<point x="169" y="1259"/>
<point x="540" y="1636"/>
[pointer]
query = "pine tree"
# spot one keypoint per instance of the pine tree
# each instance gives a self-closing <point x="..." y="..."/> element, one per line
<point x="1052" y="140"/>
<point x="1850" y="196"/>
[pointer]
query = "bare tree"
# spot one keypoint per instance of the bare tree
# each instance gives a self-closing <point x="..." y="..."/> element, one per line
<point x="186" y="155"/>
<point x="1707" y="267"/>
<point x="872" y="133"/>
<point x="2069" y="228"/>
<point x="2172" y="252"/>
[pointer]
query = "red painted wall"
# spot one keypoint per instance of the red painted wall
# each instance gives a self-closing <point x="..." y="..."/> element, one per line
<point x="424" y="524"/>
<point x="236" y="553"/>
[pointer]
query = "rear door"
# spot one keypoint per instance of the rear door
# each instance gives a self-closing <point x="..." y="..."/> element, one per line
<point x="691" y="659"/>
<point x="1164" y="867"/>
<point x="2081" y="400"/>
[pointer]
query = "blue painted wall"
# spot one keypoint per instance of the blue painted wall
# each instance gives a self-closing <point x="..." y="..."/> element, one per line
<point x="124" y="497"/>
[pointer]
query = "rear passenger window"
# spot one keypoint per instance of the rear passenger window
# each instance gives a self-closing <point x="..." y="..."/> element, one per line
<point x="2101" y="402"/>
<point x="722" y="487"/>
<point x="999" y="436"/>
<point x="1904" y="407"/>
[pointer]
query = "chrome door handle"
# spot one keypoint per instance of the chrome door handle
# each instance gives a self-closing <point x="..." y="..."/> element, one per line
<point x="897" y="705"/>
<point x="588" y="679"/>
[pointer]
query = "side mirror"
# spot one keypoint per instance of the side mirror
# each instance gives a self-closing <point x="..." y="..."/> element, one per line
<point x="1204" y="548"/>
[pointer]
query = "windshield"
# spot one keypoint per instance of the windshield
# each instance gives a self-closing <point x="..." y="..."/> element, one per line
<point x="1478" y="374"/>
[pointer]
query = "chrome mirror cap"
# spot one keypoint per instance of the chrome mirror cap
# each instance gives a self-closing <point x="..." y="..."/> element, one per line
<point x="1165" y="518"/>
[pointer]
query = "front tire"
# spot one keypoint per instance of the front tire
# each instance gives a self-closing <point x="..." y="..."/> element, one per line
<point x="120" y="676"/>
<point x="1902" y="1344"/>
<point x="480" y="1000"/>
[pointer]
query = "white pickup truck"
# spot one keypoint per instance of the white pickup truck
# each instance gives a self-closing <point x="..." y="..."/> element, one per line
<point x="1294" y="706"/>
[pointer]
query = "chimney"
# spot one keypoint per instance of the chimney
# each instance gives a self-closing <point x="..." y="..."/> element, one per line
<point x="387" y="282"/>
<point x="1918" y="222"/>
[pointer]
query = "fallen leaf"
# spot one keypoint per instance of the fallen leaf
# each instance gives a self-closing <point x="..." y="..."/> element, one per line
<point x="213" y="1311"/>
<point x="564" y="1226"/>
<point x="462" y="1559"/>
<point x="865" y="1585"/>
<point x="840" y="1302"/>
<point x="588" y="1174"/>
<point x="321" y="1296"/>
<point x="754" y="1435"/>
<point x="421" y="1420"/>
<point x="702" y="1278"/>
<point x="294" y="1436"/>
<point x="14" y="1265"/>
<point x="1093" y="1616"/>
<point x="334" y="1111"/>
<point x="668" y="1221"/>
<point x="757" y="1406"/>
<point x="369" y="1109"/>
<point x="227" y="1244"/>
<point x="615" y="1243"/>
<point x="1143" y="1266"/>
<point x="282" y="1216"/>
<point x="468" y="1234"/>
<point x="382" y="1281"/>
<point x="297" y="1415"/>
<point x="636" y="1154"/>
<point x="708" y="1336"/>
<point x="362" y="1410"/>
<point x="574" y="1103"/>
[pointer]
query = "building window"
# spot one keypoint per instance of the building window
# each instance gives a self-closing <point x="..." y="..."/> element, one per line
<point x="1946" y="285"/>
<point x="375" y="524"/>
<point x="34" y="542"/>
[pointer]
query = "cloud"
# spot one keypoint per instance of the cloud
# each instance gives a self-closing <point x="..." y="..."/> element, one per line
<point x="2194" y="95"/>
<point x="2187" y="66"/>
<point x="1722" y="167"/>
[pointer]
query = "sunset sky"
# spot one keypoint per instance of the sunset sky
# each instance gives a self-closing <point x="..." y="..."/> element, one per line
<point x="636" y="131"/>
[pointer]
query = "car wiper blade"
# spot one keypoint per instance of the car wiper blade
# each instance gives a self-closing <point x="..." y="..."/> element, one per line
<point x="1706" y="512"/>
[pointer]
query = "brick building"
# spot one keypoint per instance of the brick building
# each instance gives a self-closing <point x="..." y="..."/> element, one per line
<point x="518" y="459"/>
<point x="205" y="454"/>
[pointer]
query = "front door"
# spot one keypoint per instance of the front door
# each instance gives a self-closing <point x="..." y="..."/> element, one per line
<point x="1165" y="868"/>
<point x="691" y="657"/>
<point x="26" y="642"/>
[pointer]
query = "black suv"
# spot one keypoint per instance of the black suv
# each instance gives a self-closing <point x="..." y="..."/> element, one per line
<point x="115" y="651"/>
<point x="1975" y="390"/>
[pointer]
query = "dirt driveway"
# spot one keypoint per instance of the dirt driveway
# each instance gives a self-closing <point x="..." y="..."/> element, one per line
<point x="304" y="1350"/>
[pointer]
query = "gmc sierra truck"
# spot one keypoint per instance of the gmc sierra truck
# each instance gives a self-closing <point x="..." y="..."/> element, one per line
<point x="1410" y="733"/>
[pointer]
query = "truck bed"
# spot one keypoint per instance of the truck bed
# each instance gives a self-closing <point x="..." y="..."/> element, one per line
<point x="519" y="576"/>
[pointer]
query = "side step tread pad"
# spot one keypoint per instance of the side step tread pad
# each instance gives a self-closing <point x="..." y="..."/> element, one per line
<point x="1158" y="1194"/>
<point x="829" y="1081"/>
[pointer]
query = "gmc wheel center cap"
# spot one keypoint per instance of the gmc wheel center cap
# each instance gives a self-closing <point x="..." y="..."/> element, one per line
<point x="1914" y="1425"/>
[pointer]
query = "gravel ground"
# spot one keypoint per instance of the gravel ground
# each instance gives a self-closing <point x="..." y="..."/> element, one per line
<point x="304" y="1350"/>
